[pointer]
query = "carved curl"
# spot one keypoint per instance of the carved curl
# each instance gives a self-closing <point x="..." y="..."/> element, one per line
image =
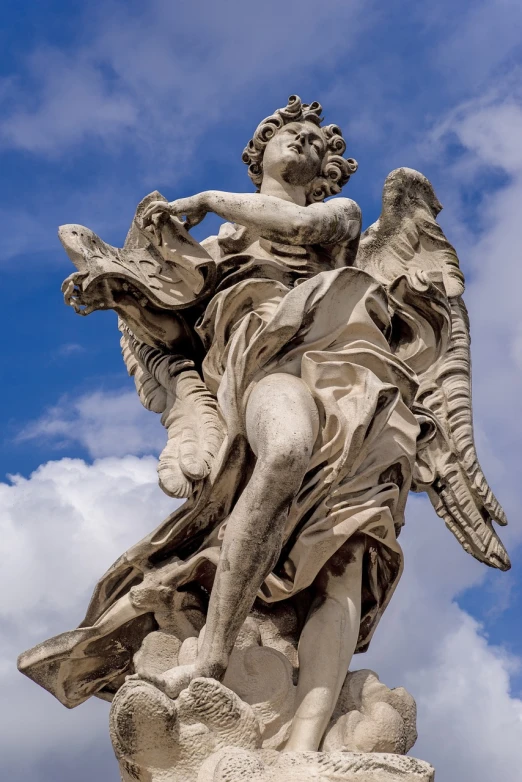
<point x="336" y="170"/>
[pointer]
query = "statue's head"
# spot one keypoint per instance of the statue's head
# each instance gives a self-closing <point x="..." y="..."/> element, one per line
<point x="291" y="145"/>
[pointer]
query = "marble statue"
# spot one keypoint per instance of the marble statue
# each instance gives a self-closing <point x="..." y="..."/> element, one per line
<point x="308" y="378"/>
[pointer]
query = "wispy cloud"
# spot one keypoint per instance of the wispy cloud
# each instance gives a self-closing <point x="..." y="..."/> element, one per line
<point x="75" y="101"/>
<point x="133" y="78"/>
<point x="69" y="349"/>
<point x="104" y="423"/>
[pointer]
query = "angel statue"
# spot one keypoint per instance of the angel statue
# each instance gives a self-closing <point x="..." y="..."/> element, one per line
<point x="308" y="378"/>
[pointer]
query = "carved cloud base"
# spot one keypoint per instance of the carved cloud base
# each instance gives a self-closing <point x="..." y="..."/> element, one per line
<point x="209" y="734"/>
<point x="269" y="766"/>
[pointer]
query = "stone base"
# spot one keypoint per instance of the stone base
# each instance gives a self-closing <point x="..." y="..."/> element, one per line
<point x="233" y="765"/>
<point x="368" y="717"/>
<point x="209" y="734"/>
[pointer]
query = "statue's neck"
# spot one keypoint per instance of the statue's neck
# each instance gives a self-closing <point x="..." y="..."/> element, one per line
<point x="279" y="189"/>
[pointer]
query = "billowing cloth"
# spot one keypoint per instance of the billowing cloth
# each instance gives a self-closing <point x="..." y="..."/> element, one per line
<point x="331" y="330"/>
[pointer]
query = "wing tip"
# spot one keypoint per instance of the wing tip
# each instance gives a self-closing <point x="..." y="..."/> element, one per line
<point x="498" y="557"/>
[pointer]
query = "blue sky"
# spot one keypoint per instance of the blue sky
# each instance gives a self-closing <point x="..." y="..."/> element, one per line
<point x="102" y="103"/>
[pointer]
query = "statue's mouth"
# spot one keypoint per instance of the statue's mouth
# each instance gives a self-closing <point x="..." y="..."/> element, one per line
<point x="296" y="147"/>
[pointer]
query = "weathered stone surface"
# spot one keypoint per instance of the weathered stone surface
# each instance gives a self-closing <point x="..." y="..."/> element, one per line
<point x="368" y="717"/>
<point x="308" y="377"/>
<point x="238" y="765"/>
<point x="209" y="734"/>
<point x="156" y="738"/>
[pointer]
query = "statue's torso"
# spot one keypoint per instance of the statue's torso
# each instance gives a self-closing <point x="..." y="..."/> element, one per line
<point x="240" y="256"/>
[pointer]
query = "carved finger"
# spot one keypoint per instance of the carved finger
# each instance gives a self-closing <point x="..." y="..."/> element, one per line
<point x="156" y="207"/>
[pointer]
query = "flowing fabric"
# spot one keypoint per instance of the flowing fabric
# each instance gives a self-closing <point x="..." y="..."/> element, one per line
<point x="332" y="331"/>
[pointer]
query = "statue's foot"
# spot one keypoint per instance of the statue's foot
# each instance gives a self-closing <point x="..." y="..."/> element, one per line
<point x="177" y="679"/>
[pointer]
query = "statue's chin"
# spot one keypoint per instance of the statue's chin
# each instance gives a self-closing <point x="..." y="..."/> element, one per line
<point x="297" y="174"/>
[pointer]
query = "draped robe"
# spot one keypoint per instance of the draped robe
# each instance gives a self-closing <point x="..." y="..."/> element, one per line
<point x="274" y="310"/>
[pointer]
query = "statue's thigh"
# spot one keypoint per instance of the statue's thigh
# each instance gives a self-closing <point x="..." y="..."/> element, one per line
<point x="282" y="420"/>
<point x="340" y="578"/>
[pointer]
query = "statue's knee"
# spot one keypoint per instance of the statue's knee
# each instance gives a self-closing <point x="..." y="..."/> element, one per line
<point x="285" y="461"/>
<point x="282" y="419"/>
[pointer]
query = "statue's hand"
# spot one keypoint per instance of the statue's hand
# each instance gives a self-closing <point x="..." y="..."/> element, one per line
<point x="193" y="209"/>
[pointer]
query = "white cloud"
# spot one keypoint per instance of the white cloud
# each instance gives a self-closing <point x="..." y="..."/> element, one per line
<point x="77" y="516"/>
<point x="104" y="423"/>
<point x="60" y="529"/>
<point x="65" y="524"/>
<point x="469" y="722"/>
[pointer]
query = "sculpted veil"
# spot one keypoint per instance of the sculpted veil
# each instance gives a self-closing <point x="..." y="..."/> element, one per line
<point x="308" y="378"/>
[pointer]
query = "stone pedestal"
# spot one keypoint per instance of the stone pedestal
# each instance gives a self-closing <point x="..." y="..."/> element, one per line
<point x="268" y="766"/>
<point x="209" y="734"/>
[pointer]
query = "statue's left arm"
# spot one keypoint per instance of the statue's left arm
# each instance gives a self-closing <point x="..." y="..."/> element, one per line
<point x="272" y="218"/>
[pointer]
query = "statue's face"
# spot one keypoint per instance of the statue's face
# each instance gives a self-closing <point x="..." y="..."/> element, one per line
<point x="295" y="154"/>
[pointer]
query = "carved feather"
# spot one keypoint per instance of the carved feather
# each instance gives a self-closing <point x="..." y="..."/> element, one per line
<point x="407" y="238"/>
<point x="455" y="504"/>
<point x="171" y="477"/>
<point x="168" y="384"/>
<point x="403" y="249"/>
<point x="152" y="394"/>
<point x="195" y="435"/>
<point x="454" y="376"/>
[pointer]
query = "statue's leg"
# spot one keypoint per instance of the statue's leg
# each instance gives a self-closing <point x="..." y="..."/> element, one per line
<point x="327" y="645"/>
<point x="282" y="425"/>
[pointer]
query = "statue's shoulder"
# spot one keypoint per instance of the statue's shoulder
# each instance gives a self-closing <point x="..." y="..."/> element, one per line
<point x="343" y="204"/>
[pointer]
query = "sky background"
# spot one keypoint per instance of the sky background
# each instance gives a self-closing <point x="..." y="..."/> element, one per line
<point x="103" y="102"/>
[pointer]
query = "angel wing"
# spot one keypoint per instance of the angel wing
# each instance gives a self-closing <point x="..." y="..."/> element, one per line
<point x="169" y="384"/>
<point x="150" y="282"/>
<point x="407" y="252"/>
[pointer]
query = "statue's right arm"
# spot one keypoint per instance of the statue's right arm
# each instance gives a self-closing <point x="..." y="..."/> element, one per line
<point x="283" y="221"/>
<point x="275" y="219"/>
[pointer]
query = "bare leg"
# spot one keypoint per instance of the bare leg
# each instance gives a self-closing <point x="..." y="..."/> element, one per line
<point x="326" y="647"/>
<point x="282" y="425"/>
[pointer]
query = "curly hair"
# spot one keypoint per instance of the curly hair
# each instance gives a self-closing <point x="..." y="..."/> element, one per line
<point x="335" y="171"/>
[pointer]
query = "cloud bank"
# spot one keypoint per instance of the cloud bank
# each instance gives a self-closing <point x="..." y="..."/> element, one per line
<point x="65" y="524"/>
